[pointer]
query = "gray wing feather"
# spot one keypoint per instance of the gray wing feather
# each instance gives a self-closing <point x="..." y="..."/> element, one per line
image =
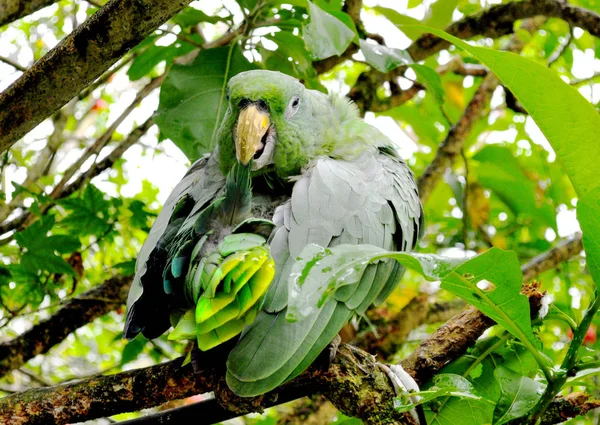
<point x="202" y="182"/>
<point x="369" y="200"/>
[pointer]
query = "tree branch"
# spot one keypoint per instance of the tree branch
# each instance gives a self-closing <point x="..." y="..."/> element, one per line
<point x="77" y="61"/>
<point x="11" y="10"/>
<point x="346" y="382"/>
<point x="476" y="109"/>
<point x="454" y="338"/>
<point x="21" y="221"/>
<point x="75" y="313"/>
<point x="499" y="20"/>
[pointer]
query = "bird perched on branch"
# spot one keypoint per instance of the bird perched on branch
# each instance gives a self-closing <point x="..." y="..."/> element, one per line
<point x="219" y="258"/>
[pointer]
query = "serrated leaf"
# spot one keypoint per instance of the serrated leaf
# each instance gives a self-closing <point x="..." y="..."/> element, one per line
<point x="63" y="244"/>
<point x="190" y="97"/>
<point x="46" y="260"/>
<point x="325" y="35"/>
<point x="89" y="214"/>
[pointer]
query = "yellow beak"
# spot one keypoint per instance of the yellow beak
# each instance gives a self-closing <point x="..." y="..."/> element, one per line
<point x="251" y="127"/>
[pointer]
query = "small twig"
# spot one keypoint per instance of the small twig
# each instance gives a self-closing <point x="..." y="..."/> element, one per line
<point x="13" y="63"/>
<point x="562" y="48"/>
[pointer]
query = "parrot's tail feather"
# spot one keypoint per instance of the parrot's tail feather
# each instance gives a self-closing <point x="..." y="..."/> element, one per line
<point x="274" y="351"/>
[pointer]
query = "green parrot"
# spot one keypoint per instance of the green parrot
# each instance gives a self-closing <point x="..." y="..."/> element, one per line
<point x="319" y="175"/>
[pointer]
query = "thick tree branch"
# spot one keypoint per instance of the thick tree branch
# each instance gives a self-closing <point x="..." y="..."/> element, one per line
<point x="352" y="381"/>
<point x="72" y="315"/>
<point x="11" y="10"/>
<point x="499" y="20"/>
<point x="454" y="338"/>
<point x="79" y="59"/>
<point x="346" y="382"/>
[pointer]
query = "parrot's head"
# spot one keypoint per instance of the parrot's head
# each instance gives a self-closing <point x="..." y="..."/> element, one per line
<point x="271" y="120"/>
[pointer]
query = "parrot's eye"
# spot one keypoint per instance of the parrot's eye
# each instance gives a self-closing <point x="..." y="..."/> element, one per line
<point x="293" y="107"/>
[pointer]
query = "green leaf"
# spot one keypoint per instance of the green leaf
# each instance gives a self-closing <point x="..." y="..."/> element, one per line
<point x="519" y="395"/>
<point x="34" y="235"/>
<point x="325" y="35"/>
<point x="501" y="172"/>
<point x="430" y="79"/>
<point x="289" y="46"/>
<point x="46" y="260"/>
<point x="403" y="22"/>
<point x="190" y="99"/>
<point x="127" y="268"/>
<point x="89" y="214"/>
<point x="588" y="214"/>
<point x="191" y="16"/>
<point x="319" y="272"/>
<point x="384" y="58"/>
<point x="154" y="55"/>
<point x="132" y="350"/>
<point x="444" y="385"/>
<point x="63" y="244"/>
<point x="492" y="283"/>
<point x="566" y="118"/>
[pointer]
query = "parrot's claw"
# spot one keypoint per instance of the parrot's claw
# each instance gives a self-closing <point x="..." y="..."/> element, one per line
<point x="333" y="347"/>
<point x="404" y="384"/>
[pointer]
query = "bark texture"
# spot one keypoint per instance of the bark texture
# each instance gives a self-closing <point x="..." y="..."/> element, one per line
<point x="11" y="10"/>
<point x="77" y="61"/>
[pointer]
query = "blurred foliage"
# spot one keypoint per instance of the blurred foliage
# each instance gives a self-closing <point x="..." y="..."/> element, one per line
<point x="508" y="189"/>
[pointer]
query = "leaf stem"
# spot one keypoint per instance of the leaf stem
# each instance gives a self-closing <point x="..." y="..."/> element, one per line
<point x="568" y="366"/>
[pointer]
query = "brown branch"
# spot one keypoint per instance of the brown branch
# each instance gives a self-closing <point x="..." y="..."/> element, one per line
<point x="352" y="381"/>
<point x="499" y="20"/>
<point x="97" y="146"/>
<point x="476" y="109"/>
<point x="454" y="338"/>
<point x="552" y="258"/>
<point x="392" y="329"/>
<point x="77" y="61"/>
<point x="72" y="315"/>
<point x="11" y="10"/>
<point x="454" y="141"/>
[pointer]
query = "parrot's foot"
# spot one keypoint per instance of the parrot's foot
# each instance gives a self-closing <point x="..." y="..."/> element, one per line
<point x="404" y="384"/>
<point x="333" y="346"/>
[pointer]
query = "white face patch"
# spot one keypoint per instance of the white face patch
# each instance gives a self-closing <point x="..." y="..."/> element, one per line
<point x="292" y="107"/>
<point x="266" y="158"/>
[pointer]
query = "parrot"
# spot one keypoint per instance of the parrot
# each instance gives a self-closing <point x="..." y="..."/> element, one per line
<point x="319" y="175"/>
